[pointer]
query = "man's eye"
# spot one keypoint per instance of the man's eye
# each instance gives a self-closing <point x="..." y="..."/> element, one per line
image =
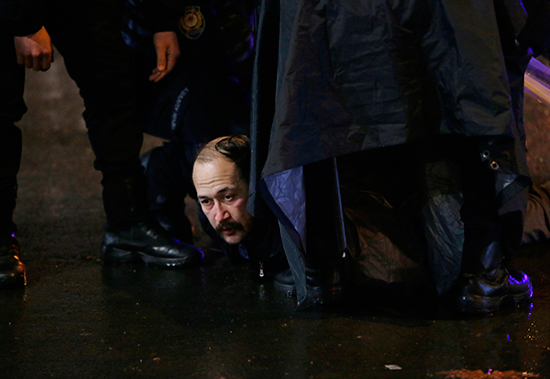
<point x="206" y="202"/>
<point x="228" y="197"/>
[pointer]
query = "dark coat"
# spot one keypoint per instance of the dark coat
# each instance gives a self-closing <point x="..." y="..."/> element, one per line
<point x="334" y="79"/>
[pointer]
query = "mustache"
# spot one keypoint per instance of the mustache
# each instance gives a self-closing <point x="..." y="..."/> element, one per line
<point x="229" y="225"/>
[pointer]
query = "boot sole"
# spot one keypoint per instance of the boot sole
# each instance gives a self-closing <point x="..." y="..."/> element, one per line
<point x="317" y="295"/>
<point x="116" y="255"/>
<point x="481" y="304"/>
<point x="288" y="290"/>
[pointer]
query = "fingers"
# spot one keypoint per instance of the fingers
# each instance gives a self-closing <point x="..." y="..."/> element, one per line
<point x="164" y="66"/>
<point x="158" y="72"/>
<point x="26" y="60"/>
<point x="34" y="51"/>
<point x="38" y="62"/>
<point x="21" y="60"/>
<point x="166" y="45"/>
<point x="172" y="58"/>
<point x="161" y="57"/>
<point x="156" y="75"/>
<point x="46" y="62"/>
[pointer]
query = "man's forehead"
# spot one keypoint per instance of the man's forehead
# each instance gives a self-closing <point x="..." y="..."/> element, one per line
<point x="212" y="166"/>
<point x="215" y="173"/>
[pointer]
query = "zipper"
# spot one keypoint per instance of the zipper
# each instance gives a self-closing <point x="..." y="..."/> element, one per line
<point x="261" y="269"/>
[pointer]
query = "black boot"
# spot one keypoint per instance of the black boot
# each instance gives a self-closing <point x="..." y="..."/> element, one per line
<point x="168" y="182"/>
<point x="12" y="270"/>
<point x="486" y="284"/>
<point x="326" y="250"/>
<point x="133" y="235"/>
<point x="486" y="293"/>
<point x="323" y="286"/>
<point x="490" y="239"/>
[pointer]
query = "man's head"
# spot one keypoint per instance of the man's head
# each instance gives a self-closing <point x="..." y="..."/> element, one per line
<point x="220" y="175"/>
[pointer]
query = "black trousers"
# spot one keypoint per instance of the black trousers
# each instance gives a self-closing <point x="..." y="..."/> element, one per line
<point x="87" y="34"/>
<point x="12" y="109"/>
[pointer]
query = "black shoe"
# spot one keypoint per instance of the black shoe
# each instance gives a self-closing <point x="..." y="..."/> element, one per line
<point x="283" y="282"/>
<point x="12" y="270"/>
<point x="167" y="185"/>
<point x="323" y="286"/>
<point x="149" y="243"/>
<point x="482" y="293"/>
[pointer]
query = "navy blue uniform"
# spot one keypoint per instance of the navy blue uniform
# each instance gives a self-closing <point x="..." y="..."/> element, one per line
<point x="88" y="35"/>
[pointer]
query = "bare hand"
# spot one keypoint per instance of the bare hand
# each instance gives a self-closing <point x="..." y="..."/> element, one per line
<point x="168" y="51"/>
<point x="35" y="50"/>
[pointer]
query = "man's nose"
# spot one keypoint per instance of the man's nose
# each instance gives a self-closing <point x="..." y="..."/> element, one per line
<point x="220" y="212"/>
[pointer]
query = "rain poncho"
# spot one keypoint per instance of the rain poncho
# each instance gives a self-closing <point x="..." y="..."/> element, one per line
<point x="390" y="88"/>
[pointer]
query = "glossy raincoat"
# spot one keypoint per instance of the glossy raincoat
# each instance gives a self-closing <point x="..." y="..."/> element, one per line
<point x="391" y="89"/>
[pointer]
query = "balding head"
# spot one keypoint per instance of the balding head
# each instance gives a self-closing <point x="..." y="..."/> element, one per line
<point x="235" y="148"/>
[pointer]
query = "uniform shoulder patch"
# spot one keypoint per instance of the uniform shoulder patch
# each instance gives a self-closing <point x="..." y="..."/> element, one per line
<point x="192" y="22"/>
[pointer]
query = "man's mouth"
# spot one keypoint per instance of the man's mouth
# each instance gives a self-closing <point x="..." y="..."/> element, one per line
<point x="228" y="227"/>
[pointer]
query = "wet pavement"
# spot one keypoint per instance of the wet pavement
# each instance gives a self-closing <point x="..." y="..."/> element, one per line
<point x="80" y="319"/>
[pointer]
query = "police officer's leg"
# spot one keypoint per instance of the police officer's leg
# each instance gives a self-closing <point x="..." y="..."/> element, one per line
<point x="491" y="237"/>
<point x="12" y="108"/>
<point x="168" y="182"/>
<point x="96" y="59"/>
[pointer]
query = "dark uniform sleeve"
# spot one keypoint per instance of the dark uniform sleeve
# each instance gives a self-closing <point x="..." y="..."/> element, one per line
<point x="163" y="15"/>
<point x="536" y="33"/>
<point x="21" y="17"/>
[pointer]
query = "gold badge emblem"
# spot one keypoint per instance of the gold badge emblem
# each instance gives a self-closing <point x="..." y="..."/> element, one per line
<point x="192" y="22"/>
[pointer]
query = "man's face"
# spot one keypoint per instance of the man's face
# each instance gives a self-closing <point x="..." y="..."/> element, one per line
<point x="223" y="194"/>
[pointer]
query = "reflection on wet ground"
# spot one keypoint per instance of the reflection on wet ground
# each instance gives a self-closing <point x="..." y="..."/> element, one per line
<point x="478" y="374"/>
<point x="78" y="318"/>
<point x="215" y="322"/>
